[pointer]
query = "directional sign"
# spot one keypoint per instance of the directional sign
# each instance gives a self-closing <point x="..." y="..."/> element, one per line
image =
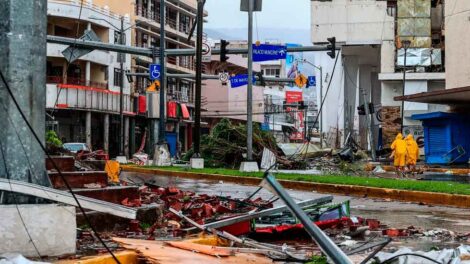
<point x="312" y="81"/>
<point x="154" y="72"/>
<point x="240" y="80"/>
<point x="265" y="52"/>
<point x="206" y="52"/>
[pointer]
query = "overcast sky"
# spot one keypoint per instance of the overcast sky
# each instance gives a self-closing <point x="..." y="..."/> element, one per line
<point x="275" y="14"/>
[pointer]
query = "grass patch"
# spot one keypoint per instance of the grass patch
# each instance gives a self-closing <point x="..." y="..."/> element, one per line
<point x="412" y="185"/>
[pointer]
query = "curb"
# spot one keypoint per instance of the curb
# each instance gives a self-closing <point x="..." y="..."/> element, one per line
<point x="456" y="200"/>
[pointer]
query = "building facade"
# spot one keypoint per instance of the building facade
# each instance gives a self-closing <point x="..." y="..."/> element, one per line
<point x="83" y="96"/>
<point x="371" y="63"/>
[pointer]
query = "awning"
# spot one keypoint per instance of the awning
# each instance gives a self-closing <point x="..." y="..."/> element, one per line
<point x="456" y="96"/>
<point x="184" y="111"/>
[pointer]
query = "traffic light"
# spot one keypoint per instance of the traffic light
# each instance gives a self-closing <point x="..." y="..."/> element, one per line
<point x="331" y="47"/>
<point x="371" y="108"/>
<point x="361" y="110"/>
<point x="260" y="79"/>
<point x="223" y="50"/>
<point x="302" y="105"/>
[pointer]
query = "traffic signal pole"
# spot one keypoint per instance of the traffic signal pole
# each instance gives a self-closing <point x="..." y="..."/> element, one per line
<point x="249" y="93"/>
<point x="161" y="123"/>
<point x="197" y="114"/>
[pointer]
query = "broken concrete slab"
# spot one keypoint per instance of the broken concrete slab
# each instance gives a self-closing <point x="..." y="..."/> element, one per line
<point x="52" y="228"/>
<point x="66" y="198"/>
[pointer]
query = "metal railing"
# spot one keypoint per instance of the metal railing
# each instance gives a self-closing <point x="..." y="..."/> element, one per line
<point x="155" y="16"/>
<point x="90" y="5"/>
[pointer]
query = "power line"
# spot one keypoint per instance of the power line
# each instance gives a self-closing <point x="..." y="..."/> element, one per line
<point x="13" y="98"/>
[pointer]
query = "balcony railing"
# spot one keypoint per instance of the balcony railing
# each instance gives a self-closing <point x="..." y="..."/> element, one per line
<point x="182" y="97"/>
<point x="83" y="97"/>
<point x="77" y="81"/>
<point x="155" y="16"/>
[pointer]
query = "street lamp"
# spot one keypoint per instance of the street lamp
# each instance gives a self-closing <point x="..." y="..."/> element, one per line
<point x="321" y="100"/>
<point x="405" y="45"/>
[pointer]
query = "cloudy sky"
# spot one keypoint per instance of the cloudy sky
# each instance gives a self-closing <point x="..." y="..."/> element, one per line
<point x="286" y="21"/>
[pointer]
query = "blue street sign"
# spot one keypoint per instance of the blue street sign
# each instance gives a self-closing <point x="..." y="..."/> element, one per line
<point x="240" y="80"/>
<point x="312" y="81"/>
<point x="265" y="52"/>
<point x="154" y="71"/>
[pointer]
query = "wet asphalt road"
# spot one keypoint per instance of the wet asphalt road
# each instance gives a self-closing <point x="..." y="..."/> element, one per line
<point x="395" y="214"/>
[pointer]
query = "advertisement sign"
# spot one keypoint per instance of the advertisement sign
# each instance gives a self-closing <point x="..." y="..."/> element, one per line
<point x="293" y="97"/>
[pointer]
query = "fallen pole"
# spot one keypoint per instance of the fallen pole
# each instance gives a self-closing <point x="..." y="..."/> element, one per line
<point x="271" y="211"/>
<point x="322" y="240"/>
<point x="67" y="198"/>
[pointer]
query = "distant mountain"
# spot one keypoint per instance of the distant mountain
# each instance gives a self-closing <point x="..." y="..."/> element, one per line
<point x="283" y="35"/>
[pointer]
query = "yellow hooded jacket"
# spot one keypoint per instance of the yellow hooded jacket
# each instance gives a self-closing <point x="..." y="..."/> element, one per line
<point x="399" y="148"/>
<point x="412" y="149"/>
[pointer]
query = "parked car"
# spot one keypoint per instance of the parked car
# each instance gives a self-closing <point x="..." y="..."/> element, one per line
<point x="76" y="147"/>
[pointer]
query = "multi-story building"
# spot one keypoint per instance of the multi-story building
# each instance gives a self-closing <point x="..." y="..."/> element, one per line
<point x="223" y="101"/>
<point x="371" y="33"/>
<point x="179" y="20"/>
<point x="83" y="96"/>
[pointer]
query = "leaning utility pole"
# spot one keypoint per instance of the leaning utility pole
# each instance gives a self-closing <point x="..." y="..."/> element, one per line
<point x="23" y="65"/>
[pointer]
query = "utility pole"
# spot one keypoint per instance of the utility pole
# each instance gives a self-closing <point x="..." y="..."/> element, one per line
<point x="405" y="44"/>
<point x="161" y="124"/>
<point x="121" y="90"/>
<point x="321" y="100"/>
<point x="196" y="161"/>
<point x="369" y="124"/>
<point x="249" y="92"/>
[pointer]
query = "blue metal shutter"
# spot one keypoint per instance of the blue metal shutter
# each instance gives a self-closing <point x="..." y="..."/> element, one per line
<point x="438" y="140"/>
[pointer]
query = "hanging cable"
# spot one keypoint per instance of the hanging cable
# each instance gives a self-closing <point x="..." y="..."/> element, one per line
<point x="13" y="98"/>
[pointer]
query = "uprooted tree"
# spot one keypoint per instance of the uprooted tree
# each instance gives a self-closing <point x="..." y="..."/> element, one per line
<point x="226" y="144"/>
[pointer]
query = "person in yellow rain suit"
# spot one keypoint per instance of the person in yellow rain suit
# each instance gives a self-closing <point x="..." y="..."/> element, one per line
<point x="413" y="152"/>
<point x="399" y="153"/>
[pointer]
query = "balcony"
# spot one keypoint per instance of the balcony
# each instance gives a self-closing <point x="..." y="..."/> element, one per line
<point x="180" y="29"/>
<point x="79" y="94"/>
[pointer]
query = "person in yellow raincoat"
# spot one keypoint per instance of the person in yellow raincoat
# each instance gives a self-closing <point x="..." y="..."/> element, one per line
<point x="413" y="152"/>
<point x="399" y="152"/>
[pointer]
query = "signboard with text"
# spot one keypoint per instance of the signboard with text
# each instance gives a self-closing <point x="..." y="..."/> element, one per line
<point x="266" y="52"/>
<point x="240" y="80"/>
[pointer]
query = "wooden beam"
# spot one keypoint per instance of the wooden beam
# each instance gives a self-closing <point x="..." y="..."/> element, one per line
<point x="66" y="198"/>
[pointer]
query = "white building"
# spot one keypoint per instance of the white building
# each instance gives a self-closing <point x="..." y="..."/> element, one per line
<point x="369" y="67"/>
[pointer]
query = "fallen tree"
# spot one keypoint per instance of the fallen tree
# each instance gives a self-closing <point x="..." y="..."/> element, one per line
<point x="226" y="144"/>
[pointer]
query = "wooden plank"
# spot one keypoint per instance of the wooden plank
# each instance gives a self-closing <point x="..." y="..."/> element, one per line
<point x="67" y="198"/>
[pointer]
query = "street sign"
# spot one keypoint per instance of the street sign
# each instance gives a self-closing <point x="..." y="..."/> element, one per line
<point x="154" y="71"/>
<point x="257" y="5"/>
<point x="266" y="52"/>
<point x="224" y="78"/>
<point x="301" y="80"/>
<point x="72" y="53"/>
<point x="240" y="80"/>
<point x="206" y="52"/>
<point x="312" y="81"/>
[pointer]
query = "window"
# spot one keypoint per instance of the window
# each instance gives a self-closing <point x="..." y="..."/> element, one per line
<point x="117" y="77"/>
<point x="272" y="72"/>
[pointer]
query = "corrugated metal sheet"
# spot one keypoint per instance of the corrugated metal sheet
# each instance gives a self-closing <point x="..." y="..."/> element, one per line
<point x="438" y="141"/>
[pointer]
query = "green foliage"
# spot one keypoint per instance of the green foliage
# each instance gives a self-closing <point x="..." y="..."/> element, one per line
<point x="318" y="260"/>
<point x="53" y="140"/>
<point x="225" y="145"/>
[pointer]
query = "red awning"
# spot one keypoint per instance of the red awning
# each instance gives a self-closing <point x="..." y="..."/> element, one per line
<point x="184" y="111"/>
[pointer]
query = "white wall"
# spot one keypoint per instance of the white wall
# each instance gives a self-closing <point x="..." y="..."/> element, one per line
<point x="52" y="228"/>
<point x="333" y="107"/>
<point x="351" y="21"/>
